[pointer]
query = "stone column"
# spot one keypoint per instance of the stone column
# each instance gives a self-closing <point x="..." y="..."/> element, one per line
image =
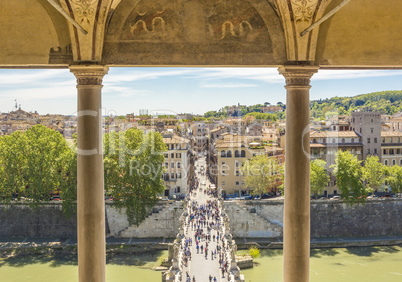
<point x="90" y="190"/>
<point x="296" y="234"/>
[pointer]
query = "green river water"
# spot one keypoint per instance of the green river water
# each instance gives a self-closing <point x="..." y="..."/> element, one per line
<point x="366" y="264"/>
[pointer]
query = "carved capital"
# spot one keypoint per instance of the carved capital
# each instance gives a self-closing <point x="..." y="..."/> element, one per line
<point x="298" y="76"/>
<point x="89" y="75"/>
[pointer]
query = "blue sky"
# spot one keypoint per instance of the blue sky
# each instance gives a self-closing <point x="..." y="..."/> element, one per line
<point x="178" y="90"/>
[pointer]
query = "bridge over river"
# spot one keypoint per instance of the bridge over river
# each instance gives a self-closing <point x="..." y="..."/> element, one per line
<point x="203" y="250"/>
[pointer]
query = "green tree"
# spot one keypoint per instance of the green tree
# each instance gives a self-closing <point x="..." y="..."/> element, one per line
<point x="262" y="174"/>
<point x="395" y="178"/>
<point x="34" y="164"/>
<point x="348" y="172"/>
<point x="133" y="171"/>
<point x="318" y="177"/>
<point x="373" y="173"/>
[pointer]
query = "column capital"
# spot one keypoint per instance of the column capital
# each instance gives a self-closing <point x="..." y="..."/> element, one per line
<point x="89" y="74"/>
<point x="298" y="76"/>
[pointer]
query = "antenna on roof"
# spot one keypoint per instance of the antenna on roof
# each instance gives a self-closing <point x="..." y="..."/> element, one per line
<point x="16" y="105"/>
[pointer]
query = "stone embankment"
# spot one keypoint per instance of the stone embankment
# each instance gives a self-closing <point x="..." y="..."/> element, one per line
<point x="248" y="219"/>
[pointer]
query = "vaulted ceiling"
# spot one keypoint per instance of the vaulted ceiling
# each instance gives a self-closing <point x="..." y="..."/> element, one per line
<point x="57" y="33"/>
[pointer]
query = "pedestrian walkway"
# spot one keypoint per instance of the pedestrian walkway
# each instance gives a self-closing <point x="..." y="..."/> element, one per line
<point x="206" y="254"/>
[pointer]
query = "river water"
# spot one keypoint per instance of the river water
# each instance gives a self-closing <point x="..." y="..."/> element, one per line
<point x="368" y="264"/>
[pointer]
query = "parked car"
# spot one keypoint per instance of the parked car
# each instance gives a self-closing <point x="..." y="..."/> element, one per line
<point x="335" y="198"/>
<point x="246" y="197"/>
<point x="265" y="196"/>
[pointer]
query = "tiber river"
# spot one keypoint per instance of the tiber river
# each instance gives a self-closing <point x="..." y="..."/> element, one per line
<point x="368" y="264"/>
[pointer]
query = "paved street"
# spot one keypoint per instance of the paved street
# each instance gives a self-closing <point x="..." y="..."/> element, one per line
<point x="203" y="212"/>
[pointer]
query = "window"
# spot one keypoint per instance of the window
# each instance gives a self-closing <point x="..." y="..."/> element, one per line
<point x="372" y="130"/>
<point x="314" y="140"/>
<point x="237" y="173"/>
<point x="172" y="175"/>
<point x="236" y="163"/>
<point x="335" y="192"/>
<point x="172" y="164"/>
<point x="324" y="140"/>
<point x="166" y="156"/>
<point x="384" y="152"/>
<point x="223" y="154"/>
<point x="178" y="175"/>
<point x="237" y="154"/>
<point x="178" y="189"/>
<point x="368" y="140"/>
<point x="391" y="151"/>
<point x="172" y="155"/>
<point x="237" y="183"/>
<point x="167" y="165"/>
<point x="368" y="151"/>
<point x="360" y="130"/>
<point x="178" y="155"/>
<point x="400" y="162"/>
<point x="393" y="162"/>
<point x="343" y="140"/>
<point x="353" y="140"/>
<point x="375" y="140"/>
<point x="386" y="162"/>
<point x="178" y="165"/>
<point x="243" y="153"/>
<point x="229" y="154"/>
<point x="375" y="151"/>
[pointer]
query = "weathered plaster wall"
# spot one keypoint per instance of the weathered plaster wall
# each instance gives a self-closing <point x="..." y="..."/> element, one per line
<point x="162" y="223"/>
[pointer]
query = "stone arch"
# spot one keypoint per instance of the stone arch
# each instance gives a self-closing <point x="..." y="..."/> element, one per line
<point x="31" y="29"/>
<point x="254" y="35"/>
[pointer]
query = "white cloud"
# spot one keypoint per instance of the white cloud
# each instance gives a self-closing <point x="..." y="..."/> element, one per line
<point x="123" y="91"/>
<point x="27" y="78"/>
<point x="227" y="85"/>
<point x="353" y="74"/>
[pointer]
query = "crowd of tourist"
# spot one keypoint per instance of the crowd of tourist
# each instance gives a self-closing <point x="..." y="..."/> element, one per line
<point x="203" y="231"/>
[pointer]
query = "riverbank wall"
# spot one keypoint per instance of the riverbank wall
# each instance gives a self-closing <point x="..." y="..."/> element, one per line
<point x="329" y="218"/>
<point x="48" y="221"/>
<point x="248" y="219"/>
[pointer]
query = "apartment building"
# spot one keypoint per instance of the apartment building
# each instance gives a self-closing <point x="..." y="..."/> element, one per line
<point x="391" y="148"/>
<point x="368" y="125"/>
<point x="325" y="144"/>
<point x="231" y="153"/>
<point x="179" y="164"/>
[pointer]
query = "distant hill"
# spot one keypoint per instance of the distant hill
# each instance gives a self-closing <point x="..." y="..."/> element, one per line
<point x="385" y="102"/>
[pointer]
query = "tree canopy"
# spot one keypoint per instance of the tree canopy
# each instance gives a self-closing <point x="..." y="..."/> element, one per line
<point x="133" y="171"/>
<point x="347" y="170"/>
<point x="263" y="174"/>
<point x="318" y="177"/>
<point x="36" y="163"/>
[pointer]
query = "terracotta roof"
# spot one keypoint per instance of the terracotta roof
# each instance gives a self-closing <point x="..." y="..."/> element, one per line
<point x="175" y="140"/>
<point x="228" y="145"/>
<point x="391" y="134"/>
<point x="328" y="134"/>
